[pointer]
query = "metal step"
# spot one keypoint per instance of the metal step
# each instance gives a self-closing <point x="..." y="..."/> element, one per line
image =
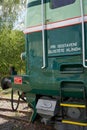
<point x="65" y="126"/>
<point x="75" y="105"/>
<point x="75" y="122"/>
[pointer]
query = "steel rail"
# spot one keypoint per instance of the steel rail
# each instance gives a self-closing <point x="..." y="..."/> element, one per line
<point x="10" y="110"/>
<point x="8" y="99"/>
<point x="13" y="117"/>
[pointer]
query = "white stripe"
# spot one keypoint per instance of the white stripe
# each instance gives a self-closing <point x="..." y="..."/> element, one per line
<point x="55" y="25"/>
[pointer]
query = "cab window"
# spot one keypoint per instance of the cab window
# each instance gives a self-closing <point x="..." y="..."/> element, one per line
<point x="60" y="3"/>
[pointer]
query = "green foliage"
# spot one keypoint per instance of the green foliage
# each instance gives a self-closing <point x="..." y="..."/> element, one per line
<point x="11" y="41"/>
<point x="9" y="12"/>
<point x="11" y="46"/>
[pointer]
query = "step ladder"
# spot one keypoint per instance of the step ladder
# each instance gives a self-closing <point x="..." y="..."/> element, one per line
<point x="74" y="104"/>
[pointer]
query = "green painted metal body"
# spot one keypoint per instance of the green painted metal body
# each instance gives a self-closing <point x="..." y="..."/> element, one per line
<point x="63" y="40"/>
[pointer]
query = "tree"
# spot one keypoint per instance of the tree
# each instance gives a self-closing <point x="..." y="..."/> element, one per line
<point x="9" y="11"/>
<point x="11" y="46"/>
<point x="11" y="41"/>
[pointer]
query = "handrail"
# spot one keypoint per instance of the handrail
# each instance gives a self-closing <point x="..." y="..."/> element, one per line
<point x="83" y="33"/>
<point x="43" y="35"/>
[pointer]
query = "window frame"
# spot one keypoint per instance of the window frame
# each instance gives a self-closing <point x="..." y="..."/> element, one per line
<point x="60" y="4"/>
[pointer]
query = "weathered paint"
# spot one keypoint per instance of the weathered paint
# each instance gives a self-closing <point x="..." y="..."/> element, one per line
<point x="67" y="15"/>
<point x="63" y="37"/>
<point x="65" y="75"/>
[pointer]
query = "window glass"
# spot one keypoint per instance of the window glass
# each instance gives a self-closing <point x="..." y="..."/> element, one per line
<point x="36" y="3"/>
<point x="60" y="3"/>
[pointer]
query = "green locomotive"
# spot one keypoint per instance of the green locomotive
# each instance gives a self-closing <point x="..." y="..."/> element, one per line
<point x="55" y="83"/>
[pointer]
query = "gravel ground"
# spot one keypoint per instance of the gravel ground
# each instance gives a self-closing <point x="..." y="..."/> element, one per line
<point x="12" y="124"/>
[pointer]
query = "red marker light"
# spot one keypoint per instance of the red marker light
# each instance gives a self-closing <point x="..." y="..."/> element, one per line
<point x="17" y="80"/>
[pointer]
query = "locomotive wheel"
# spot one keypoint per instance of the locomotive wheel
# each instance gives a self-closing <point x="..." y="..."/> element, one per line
<point x="74" y="113"/>
<point x="15" y="99"/>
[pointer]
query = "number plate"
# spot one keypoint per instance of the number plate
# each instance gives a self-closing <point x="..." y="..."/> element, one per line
<point x="17" y="80"/>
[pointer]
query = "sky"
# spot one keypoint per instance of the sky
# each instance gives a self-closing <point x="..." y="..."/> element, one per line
<point x="19" y="23"/>
<point x="0" y="10"/>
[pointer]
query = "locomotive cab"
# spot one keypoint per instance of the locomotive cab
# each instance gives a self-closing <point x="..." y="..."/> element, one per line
<point x="56" y="59"/>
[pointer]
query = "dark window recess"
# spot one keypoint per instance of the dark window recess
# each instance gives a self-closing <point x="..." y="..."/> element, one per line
<point x="71" y="68"/>
<point x="73" y="89"/>
<point x="60" y="3"/>
<point x="36" y="3"/>
<point x="72" y="84"/>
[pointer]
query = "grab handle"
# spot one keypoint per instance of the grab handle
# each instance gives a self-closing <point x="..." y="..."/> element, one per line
<point x="83" y="34"/>
<point x="43" y="35"/>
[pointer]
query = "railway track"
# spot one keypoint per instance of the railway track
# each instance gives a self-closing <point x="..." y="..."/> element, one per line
<point x="35" y="125"/>
<point x="8" y="99"/>
<point x="21" y="117"/>
<point x="15" y="118"/>
<point x="10" y="110"/>
<point x="14" y="113"/>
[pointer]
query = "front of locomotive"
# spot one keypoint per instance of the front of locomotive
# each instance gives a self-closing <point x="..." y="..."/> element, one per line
<point x="56" y="58"/>
<point x="55" y="80"/>
<point x="55" y="46"/>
